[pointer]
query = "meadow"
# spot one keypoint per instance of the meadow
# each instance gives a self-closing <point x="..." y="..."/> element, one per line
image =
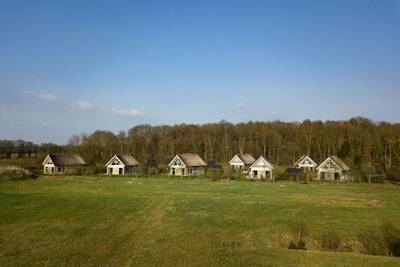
<point x="128" y="221"/>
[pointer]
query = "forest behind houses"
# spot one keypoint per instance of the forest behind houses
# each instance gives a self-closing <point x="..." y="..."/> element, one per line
<point x="368" y="147"/>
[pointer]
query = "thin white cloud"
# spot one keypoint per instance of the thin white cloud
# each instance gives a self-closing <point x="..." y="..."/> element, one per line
<point x="42" y="96"/>
<point x="240" y="105"/>
<point x="127" y="112"/>
<point x="82" y="105"/>
<point x="85" y="105"/>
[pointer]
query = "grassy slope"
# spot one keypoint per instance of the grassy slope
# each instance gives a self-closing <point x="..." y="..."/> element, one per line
<point x="128" y="221"/>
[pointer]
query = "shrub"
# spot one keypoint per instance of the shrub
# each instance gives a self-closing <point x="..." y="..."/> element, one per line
<point x="330" y="240"/>
<point x="380" y="239"/>
<point x="393" y="174"/>
<point x="215" y="174"/>
<point x="300" y="230"/>
<point x="301" y="245"/>
<point x="392" y="239"/>
<point x="12" y="173"/>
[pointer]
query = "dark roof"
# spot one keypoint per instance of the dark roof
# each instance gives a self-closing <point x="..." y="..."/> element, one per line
<point x="340" y="162"/>
<point x="294" y="170"/>
<point x="214" y="165"/>
<point x="192" y="160"/>
<point x="128" y="160"/>
<point x="246" y="158"/>
<point x="67" y="160"/>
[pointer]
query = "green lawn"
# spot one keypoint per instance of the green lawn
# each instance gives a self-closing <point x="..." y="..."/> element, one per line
<point x="101" y="221"/>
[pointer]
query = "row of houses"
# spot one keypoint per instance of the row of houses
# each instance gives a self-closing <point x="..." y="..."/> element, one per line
<point x="189" y="164"/>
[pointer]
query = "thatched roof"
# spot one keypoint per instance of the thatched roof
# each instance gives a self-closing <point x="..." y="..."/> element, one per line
<point x="192" y="160"/>
<point x="340" y="162"/>
<point x="128" y="160"/>
<point x="67" y="160"/>
<point x="246" y="158"/>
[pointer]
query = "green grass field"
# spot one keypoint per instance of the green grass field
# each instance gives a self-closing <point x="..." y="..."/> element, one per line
<point x="101" y="221"/>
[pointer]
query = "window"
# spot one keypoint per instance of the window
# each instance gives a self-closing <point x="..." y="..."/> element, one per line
<point x="59" y="169"/>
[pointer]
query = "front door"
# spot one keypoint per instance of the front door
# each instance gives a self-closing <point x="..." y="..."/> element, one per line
<point x="255" y="174"/>
<point x="120" y="171"/>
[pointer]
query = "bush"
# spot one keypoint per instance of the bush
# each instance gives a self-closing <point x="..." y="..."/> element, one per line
<point x="12" y="173"/>
<point x="392" y="238"/>
<point x="215" y="175"/>
<point x="393" y="174"/>
<point x="330" y="240"/>
<point x="300" y="230"/>
<point x="301" y="245"/>
<point x="380" y="239"/>
<point x="284" y="176"/>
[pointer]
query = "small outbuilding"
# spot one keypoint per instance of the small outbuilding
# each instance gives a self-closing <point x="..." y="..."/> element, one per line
<point x="187" y="164"/>
<point x="242" y="162"/>
<point x="122" y="164"/>
<point x="261" y="169"/>
<point x="62" y="163"/>
<point x="305" y="162"/>
<point x="333" y="169"/>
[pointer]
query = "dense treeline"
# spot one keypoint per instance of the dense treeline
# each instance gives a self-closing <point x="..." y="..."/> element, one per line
<point x="23" y="149"/>
<point x="365" y="145"/>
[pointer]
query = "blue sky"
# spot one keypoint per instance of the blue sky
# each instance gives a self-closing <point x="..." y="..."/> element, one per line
<point x="76" y="66"/>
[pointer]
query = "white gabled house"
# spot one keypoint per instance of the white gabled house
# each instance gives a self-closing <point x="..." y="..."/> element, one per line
<point x="62" y="163"/>
<point x="305" y="162"/>
<point x="121" y="164"/>
<point x="242" y="162"/>
<point x="187" y="164"/>
<point x="333" y="169"/>
<point x="261" y="169"/>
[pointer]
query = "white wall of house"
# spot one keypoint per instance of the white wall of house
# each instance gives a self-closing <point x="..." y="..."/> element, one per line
<point x="331" y="175"/>
<point x="53" y="169"/>
<point x="307" y="164"/>
<point x="237" y="164"/>
<point x="330" y="171"/>
<point x="177" y="167"/>
<point x="120" y="169"/>
<point x="116" y="169"/>
<point x="261" y="169"/>
<point x="261" y="173"/>
<point x="178" y="170"/>
<point x="50" y="168"/>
